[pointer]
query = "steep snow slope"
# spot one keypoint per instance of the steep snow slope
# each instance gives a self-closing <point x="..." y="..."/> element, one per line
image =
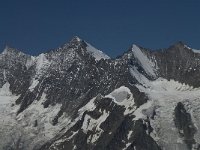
<point x="145" y="62"/>
<point x="96" y="53"/>
<point x="194" y="50"/>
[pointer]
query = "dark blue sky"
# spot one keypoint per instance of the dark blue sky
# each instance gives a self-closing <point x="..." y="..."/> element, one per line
<point x="35" y="26"/>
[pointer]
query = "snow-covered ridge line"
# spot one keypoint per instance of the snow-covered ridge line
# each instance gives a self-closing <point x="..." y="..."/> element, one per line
<point x="97" y="54"/>
<point x="194" y="50"/>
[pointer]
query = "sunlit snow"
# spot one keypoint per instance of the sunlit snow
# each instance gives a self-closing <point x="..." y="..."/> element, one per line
<point x="96" y="53"/>
<point x="163" y="98"/>
<point x="144" y="61"/>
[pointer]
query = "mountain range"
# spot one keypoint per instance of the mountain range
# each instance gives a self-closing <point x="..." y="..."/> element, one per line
<point x="76" y="97"/>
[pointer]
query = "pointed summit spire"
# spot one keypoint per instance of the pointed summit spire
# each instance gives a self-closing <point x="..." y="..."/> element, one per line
<point x="82" y="46"/>
<point x="74" y="42"/>
<point x="75" y="39"/>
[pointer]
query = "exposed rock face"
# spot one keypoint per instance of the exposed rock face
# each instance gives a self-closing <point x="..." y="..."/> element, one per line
<point x="184" y="124"/>
<point x="76" y="97"/>
<point x="180" y="63"/>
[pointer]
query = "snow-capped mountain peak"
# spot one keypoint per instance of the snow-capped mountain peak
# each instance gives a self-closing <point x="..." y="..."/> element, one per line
<point x="63" y="99"/>
<point x="75" y="39"/>
<point x="78" y="43"/>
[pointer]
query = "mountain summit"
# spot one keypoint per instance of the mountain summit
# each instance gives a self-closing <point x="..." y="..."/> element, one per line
<point x="76" y="97"/>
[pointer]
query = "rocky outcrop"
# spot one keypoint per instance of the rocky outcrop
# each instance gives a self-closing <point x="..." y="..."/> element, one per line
<point x="184" y="124"/>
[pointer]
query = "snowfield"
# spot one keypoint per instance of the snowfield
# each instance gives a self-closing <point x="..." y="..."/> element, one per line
<point x="7" y="115"/>
<point x="13" y="128"/>
<point x="163" y="98"/>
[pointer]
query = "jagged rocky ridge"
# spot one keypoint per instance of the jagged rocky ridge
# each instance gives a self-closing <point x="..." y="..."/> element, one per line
<point x="76" y="97"/>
